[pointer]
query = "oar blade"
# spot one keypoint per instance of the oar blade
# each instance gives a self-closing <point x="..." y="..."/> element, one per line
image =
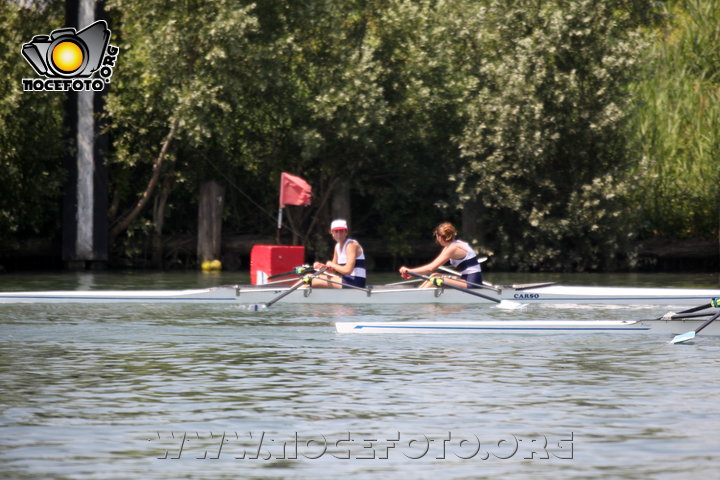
<point x="690" y="335"/>
<point x="253" y="307"/>
<point x="510" y="305"/>
<point x="683" y="337"/>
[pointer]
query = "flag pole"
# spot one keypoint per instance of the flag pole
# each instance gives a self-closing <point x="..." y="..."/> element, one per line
<point x="293" y="191"/>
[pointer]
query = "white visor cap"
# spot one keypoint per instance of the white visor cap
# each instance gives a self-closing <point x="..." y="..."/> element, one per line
<point x="338" y="225"/>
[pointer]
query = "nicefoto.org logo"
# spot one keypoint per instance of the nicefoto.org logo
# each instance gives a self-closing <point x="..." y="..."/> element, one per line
<point x="70" y="60"/>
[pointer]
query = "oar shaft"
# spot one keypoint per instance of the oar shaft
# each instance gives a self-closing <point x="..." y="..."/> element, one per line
<point x="284" y="274"/>
<point x="344" y="285"/>
<point x="404" y="282"/>
<point x="301" y="270"/>
<point x="478" y="285"/>
<point x="293" y="288"/>
<point x="679" y="316"/>
<point x="712" y="319"/>
<point x="285" y="280"/>
<point x="287" y="292"/>
<point x="455" y="287"/>
<point x="691" y="334"/>
<point x="696" y="309"/>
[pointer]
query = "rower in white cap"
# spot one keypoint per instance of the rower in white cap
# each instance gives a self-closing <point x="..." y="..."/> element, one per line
<point x="348" y="260"/>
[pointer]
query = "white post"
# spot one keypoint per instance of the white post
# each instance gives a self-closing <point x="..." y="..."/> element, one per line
<point x="279" y="225"/>
<point x="85" y="156"/>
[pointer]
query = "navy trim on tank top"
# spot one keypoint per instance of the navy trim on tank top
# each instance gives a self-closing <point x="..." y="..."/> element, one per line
<point x="470" y="262"/>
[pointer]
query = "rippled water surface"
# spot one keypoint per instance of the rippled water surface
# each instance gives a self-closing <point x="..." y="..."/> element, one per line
<point x="148" y="391"/>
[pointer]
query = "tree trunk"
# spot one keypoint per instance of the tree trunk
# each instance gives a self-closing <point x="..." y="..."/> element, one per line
<point x="210" y="221"/>
<point x="124" y="222"/>
<point x="158" y="222"/>
<point x="471" y="223"/>
<point x="340" y="204"/>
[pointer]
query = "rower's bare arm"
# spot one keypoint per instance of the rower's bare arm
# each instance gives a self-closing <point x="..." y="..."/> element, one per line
<point x="351" y="253"/>
<point x="331" y="264"/>
<point x="441" y="260"/>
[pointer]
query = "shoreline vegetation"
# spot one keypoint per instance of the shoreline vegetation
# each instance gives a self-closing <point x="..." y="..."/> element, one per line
<point x="558" y="136"/>
<point x="659" y="255"/>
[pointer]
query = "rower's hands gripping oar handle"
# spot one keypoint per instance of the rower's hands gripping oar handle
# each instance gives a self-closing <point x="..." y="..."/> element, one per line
<point x="301" y="270"/>
<point x="306" y="279"/>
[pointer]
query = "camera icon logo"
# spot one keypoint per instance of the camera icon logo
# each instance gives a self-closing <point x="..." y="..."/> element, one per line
<point x="67" y="53"/>
<point x="71" y="60"/>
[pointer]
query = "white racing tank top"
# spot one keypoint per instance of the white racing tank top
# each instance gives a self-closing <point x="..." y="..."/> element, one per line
<point x="359" y="270"/>
<point x="467" y="264"/>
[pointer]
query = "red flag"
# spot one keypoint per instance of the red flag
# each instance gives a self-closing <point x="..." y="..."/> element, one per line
<point x="294" y="190"/>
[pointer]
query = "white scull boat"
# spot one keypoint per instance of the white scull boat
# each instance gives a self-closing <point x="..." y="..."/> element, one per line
<point x="528" y="326"/>
<point x="532" y="294"/>
<point x="203" y="295"/>
<point x="382" y="294"/>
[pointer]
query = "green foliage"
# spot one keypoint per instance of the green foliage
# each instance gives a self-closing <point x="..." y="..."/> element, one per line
<point x="192" y="64"/>
<point x="543" y="145"/>
<point x="517" y="111"/>
<point x="407" y="186"/>
<point x="676" y="124"/>
<point x="31" y="131"/>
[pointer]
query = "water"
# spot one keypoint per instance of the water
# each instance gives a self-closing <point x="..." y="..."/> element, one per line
<point x="140" y="391"/>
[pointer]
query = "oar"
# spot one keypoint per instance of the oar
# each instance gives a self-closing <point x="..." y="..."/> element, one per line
<point x="682" y="316"/>
<point x="439" y="282"/>
<point x="689" y="310"/>
<point x="284" y="280"/>
<point x="301" y="270"/>
<point x="404" y="282"/>
<point x="715" y="302"/>
<point x="701" y="307"/>
<point x="479" y="285"/>
<point x="306" y="279"/>
<point x="367" y="290"/>
<point x="691" y="334"/>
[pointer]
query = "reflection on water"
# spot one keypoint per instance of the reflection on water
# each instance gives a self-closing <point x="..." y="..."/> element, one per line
<point x="163" y="391"/>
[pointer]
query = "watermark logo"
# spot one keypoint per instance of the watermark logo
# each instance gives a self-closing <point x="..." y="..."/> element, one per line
<point x="272" y="446"/>
<point x="70" y="60"/>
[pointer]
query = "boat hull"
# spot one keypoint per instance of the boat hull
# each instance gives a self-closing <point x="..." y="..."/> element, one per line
<point x="559" y="294"/>
<point x="553" y="294"/>
<point x="204" y="295"/>
<point x="249" y="295"/>
<point x="668" y="327"/>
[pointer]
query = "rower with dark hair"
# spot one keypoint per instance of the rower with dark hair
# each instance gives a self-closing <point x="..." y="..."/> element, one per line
<point x="460" y="255"/>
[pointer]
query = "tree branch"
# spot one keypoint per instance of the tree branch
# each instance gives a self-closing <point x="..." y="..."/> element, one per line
<point x="124" y="222"/>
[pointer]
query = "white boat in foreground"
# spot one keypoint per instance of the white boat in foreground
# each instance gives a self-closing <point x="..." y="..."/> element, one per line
<point x="669" y="327"/>
<point x="382" y="294"/>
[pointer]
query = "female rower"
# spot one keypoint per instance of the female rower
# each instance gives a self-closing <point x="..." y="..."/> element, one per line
<point x="348" y="261"/>
<point x="460" y="255"/>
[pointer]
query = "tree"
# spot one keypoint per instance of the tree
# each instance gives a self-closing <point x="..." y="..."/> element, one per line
<point x="31" y="129"/>
<point x="675" y="125"/>
<point x="544" y="150"/>
<point x="181" y="95"/>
